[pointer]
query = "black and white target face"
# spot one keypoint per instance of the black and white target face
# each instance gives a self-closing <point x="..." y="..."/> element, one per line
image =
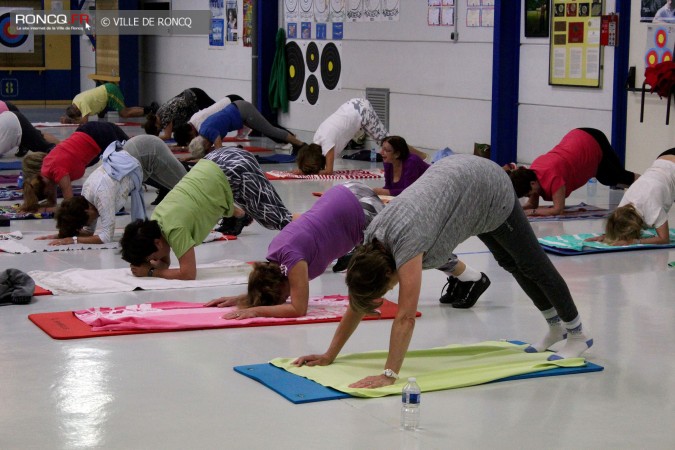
<point x="312" y="56"/>
<point x="331" y="66"/>
<point x="312" y="89"/>
<point x="295" y="64"/>
<point x="291" y="5"/>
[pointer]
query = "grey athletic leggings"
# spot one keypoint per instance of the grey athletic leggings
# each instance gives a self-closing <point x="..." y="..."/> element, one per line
<point x="255" y="121"/>
<point x="157" y="161"/>
<point x="516" y="249"/>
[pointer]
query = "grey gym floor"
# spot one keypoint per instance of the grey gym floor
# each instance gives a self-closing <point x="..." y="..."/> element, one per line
<point x="178" y="390"/>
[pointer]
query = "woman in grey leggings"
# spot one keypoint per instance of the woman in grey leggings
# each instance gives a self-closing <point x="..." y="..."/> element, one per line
<point x="463" y="196"/>
<point x="234" y="117"/>
<point x="90" y="219"/>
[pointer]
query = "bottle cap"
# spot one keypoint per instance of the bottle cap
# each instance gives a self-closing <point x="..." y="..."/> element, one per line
<point x="412" y="380"/>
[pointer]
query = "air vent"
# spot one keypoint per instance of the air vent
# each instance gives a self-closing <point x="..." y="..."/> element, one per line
<point x="379" y="98"/>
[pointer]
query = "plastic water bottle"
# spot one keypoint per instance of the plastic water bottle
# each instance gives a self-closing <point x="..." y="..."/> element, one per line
<point x="373" y="155"/>
<point x="410" y="407"/>
<point x="19" y="181"/>
<point x="592" y="187"/>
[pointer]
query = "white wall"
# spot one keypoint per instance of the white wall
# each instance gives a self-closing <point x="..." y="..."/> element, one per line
<point x="171" y="64"/>
<point x="440" y="90"/>
<point x="645" y="141"/>
<point x="87" y="65"/>
<point x="546" y="113"/>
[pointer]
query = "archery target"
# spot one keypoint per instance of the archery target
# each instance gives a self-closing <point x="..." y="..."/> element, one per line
<point x="312" y="89"/>
<point x="330" y="66"/>
<point x="10" y="40"/>
<point x="320" y="72"/>
<point x="660" y="38"/>
<point x="659" y="45"/>
<point x="296" y="70"/>
<point x="312" y="56"/>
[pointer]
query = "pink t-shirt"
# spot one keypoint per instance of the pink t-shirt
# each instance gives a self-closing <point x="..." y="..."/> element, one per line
<point x="571" y="163"/>
<point x="70" y="157"/>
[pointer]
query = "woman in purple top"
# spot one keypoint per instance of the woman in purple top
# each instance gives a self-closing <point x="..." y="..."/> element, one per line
<point x="303" y="250"/>
<point x="401" y="167"/>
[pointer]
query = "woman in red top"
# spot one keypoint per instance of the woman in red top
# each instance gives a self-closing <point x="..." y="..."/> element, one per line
<point x="65" y="163"/>
<point x="582" y="154"/>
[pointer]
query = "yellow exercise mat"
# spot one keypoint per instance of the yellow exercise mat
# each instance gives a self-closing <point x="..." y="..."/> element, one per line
<point x="436" y="369"/>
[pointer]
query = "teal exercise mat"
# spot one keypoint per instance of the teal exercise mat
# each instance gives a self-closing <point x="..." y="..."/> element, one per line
<point x="10" y="165"/>
<point x="575" y="244"/>
<point x="473" y="364"/>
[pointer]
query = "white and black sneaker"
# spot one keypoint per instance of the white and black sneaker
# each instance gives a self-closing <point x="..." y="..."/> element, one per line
<point x="468" y="292"/>
<point x="451" y="290"/>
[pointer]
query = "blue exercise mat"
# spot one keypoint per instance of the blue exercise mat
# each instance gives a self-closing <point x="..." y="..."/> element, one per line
<point x="297" y="389"/>
<point x="10" y="165"/>
<point x="275" y="159"/>
<point x="292" y="387"/>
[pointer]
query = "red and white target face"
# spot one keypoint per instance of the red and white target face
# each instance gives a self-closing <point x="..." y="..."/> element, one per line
<point x="652" y="58"/>
<point x="661" y="38"/>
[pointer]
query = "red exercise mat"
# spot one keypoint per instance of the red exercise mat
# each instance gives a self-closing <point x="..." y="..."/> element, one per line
<point x="235" y="139"/>
<point x="64" y="325"/>
<point x="254" y="149"/>
<point x="41" y="291"/>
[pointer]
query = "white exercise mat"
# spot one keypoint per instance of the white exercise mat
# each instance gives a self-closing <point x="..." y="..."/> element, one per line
<point x="83" y="281"/>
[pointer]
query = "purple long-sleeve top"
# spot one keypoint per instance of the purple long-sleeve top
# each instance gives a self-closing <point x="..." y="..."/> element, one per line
<point x="413" y="168"/>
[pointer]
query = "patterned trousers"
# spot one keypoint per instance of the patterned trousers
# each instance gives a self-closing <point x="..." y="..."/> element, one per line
<point x="251" y="190"/>
<point x="370" y="122"/>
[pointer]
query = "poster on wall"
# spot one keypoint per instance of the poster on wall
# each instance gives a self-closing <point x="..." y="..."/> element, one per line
<point x="232" y="9"/>
<point x="575" y="54"/>
<point x="217" y="32"/>
<point x="536" y="18"/>
<point x="246" y="35"/>
<point x="10" y="40"/>
<point x="480" y="13"/>
<point x="657" y="11"/>
<point x="441" y="12"/>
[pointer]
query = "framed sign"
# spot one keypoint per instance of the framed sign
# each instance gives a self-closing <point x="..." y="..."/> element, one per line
<point x="575" y="53"/>
<point x="536" y="18"/>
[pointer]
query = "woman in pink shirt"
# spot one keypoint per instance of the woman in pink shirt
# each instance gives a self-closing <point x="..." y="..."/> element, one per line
<point x="582" y="154"/>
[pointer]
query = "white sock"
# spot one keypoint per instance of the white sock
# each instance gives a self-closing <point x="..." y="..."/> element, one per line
<point x="469" y="274"/>
<point x="577" y="341"/>
<point x="556" y="332"/>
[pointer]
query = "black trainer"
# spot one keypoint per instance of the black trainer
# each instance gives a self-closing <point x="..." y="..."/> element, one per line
<point x="342" y="262"/>
<point x="450" y="289"/>
<point x="232" y="225"/>
<point x="468" y="292"/>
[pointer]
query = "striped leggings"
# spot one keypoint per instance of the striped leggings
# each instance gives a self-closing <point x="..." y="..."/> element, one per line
<point x="251" y="190"/>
